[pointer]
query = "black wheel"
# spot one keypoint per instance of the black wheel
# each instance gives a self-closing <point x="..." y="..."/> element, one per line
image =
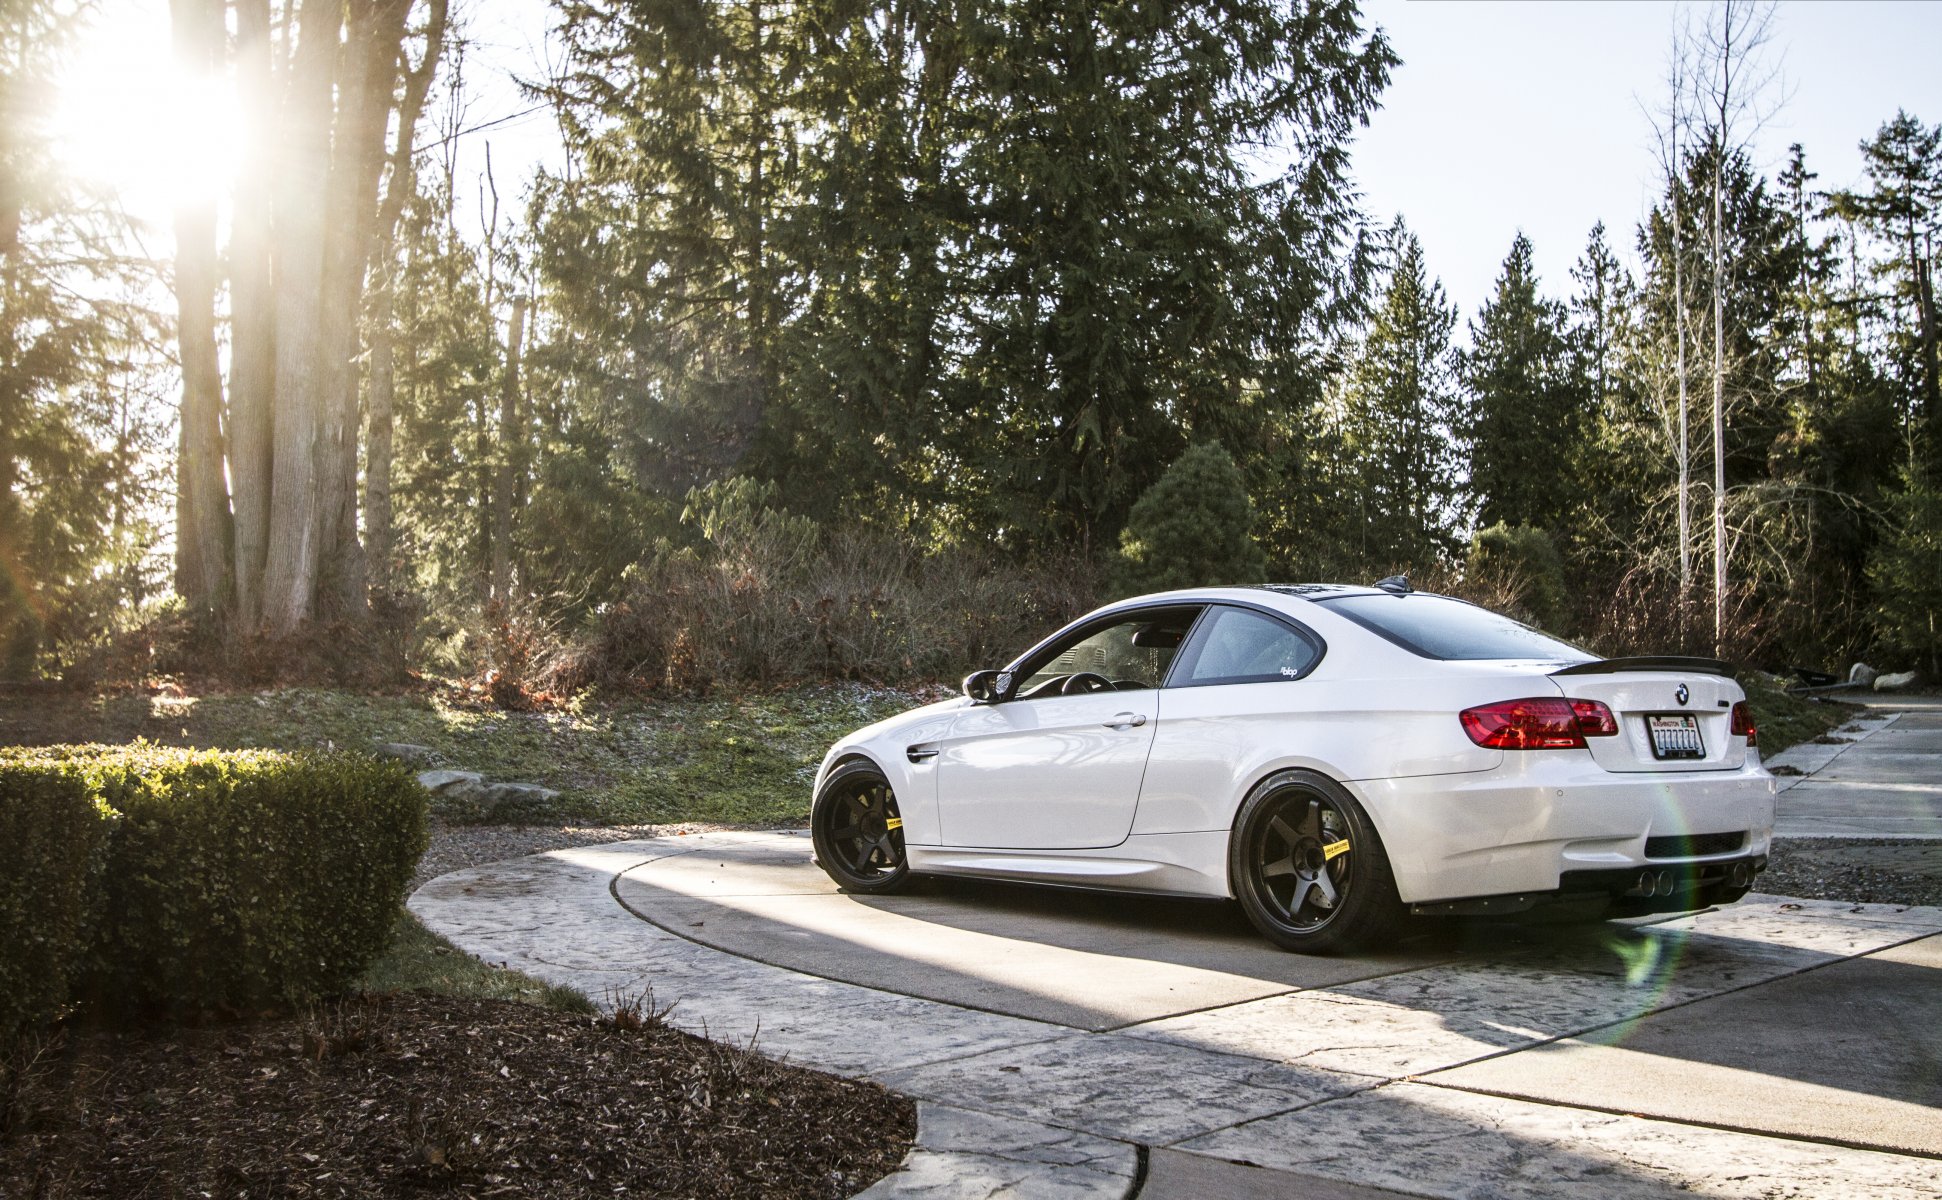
<point x="857" y="830"/>
<point x="1308" y="868"/>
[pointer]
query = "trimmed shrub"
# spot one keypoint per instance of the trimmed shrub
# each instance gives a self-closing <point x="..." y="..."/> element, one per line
<point x="239" y="880"/>
<point x="53" y="831"/>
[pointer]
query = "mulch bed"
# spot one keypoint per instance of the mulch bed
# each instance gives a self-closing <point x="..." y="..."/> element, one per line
<point x="423" y="1095"/>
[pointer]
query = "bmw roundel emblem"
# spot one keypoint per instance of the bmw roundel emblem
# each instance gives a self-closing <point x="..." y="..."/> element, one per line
<point x="1682" y="695"/>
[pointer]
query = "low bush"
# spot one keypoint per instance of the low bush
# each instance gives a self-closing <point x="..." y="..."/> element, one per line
<point x="239" y="880"/>
<point x="766" y="598"/>
<point x="53" y="830"/>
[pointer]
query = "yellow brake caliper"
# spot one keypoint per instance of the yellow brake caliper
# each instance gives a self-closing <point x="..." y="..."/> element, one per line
<point x="1330" y="851"/>
<point x="898" y="823"/>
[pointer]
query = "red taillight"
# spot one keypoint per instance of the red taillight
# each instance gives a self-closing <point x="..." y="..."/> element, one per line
<point x="1594" y="719"/>
<point x="1743" y="724"/>
<point x="1538" y="723"/>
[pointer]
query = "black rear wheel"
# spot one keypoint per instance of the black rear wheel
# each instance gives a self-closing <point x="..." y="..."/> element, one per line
<point x="858" y="830"/>
<point x="1308" y="869"/>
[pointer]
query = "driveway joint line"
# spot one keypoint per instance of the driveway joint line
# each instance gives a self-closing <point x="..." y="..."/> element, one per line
<point x="1693" y="1122"/>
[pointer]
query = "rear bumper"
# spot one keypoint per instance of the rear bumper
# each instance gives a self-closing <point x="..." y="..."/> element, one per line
<point x="1554" y="820"/>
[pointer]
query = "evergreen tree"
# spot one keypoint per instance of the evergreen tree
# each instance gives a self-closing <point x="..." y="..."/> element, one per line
<point x="1192" y="528"/>
<point x="1399" y="410"/>
<point x="1527" y="413"/>
<point x="1906" y="571"/>
<point x="1903" y="207"/>
<point x="71" y="438"/>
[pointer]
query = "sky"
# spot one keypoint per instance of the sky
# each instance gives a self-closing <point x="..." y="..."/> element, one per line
<point x="1533" y="116"/>
<point x="1502" y="116"/>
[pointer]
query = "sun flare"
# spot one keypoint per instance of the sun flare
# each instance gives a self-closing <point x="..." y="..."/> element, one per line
<point x="129" y="119"/>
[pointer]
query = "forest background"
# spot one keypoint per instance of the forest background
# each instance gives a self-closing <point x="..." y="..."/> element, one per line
<point x="870" y="341"/>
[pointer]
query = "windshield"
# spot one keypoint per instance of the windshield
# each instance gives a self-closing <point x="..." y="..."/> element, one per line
<point x="1439" y="627"/>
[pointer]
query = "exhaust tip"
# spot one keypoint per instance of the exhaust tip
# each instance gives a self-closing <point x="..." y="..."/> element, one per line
<point x="1665" y="884"/>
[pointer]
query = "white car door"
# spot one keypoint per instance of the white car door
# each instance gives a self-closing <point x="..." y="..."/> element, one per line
<point x="1059" y="766"/>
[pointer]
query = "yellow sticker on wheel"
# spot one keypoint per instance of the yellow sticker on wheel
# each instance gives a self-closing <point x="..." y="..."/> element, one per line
<point x="1334" y="848"/>
<point x="898" y="823"/>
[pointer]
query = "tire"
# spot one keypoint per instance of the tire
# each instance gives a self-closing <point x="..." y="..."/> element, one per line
<point x="858" y="831"/>
<point x="1308" y="868"/>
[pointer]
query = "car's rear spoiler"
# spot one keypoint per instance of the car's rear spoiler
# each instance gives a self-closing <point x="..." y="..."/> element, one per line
<point x="1611" y="666"/>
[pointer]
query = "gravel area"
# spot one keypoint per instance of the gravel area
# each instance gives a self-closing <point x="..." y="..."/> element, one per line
<point x="455" y="847"/>
<point x="1864" y="870"/>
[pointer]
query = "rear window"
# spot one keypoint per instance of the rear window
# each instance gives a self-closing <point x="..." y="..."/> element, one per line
<point x="1439" y="627"/>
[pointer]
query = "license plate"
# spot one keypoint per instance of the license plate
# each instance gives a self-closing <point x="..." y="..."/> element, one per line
<point x="1676" y="736"/>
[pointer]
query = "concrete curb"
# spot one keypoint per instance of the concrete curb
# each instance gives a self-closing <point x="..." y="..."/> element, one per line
<point x="964" y="1153"/>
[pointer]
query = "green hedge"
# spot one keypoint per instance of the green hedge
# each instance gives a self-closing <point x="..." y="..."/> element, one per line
<point x="53" y="832"/>
<point x="239" y="880"/>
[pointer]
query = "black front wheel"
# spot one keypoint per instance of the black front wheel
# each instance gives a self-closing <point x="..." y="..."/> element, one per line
<point x="857" y="830"/>
<point x="1308" y="868"/>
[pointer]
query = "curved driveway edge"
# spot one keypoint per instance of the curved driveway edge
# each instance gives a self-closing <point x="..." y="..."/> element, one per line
<point x="1469" y="1078"/>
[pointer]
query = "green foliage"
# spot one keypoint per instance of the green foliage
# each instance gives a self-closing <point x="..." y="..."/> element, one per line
<point x="81" y="419"/>
<point x="1906" y="571"/>
<point x="242" y="879"/>
<point x="965" y="270"/>
<point x="1385" y="465"/>
<point x="1528" y="403"/>
<point x="1519" y="565"/>
<point x="53" y="831"/>
<point x="1192" y="528"/>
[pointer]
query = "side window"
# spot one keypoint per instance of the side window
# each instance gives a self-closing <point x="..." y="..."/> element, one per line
<point x="1131" y="654"/>
<point x="1234" y="645"/>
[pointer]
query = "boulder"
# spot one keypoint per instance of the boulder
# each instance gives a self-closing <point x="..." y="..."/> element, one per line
<point x="518" y="794"/>
<point x="1863" y="674"/>
<point x="405" y="752"/>
<point x="446" y="783"/>
<point x="1894" y="682"/>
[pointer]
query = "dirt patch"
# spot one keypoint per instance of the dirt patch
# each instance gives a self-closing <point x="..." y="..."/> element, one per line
<point x="423" y="1095"/>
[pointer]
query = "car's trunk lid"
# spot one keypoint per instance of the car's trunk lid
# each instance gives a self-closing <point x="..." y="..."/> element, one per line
<point x="1674" y="714"/>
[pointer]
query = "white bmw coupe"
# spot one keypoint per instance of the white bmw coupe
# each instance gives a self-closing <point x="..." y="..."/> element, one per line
<point x="1334" y="758"/>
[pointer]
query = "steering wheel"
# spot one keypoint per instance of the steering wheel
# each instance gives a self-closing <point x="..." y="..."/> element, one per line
<point x="1081" y="682"/>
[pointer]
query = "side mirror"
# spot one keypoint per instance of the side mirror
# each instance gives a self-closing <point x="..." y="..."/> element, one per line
<point x="988" y="687"/>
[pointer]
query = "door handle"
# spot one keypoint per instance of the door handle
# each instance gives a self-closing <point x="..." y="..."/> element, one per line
<point x="1126" y="720"/>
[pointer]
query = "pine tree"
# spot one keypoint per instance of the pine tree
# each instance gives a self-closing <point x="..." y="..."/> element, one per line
<point x="1399" y="411"/>
<point x="1528" y="408"/>
<point x="70" y="436"/>
<point x="1903" y="206"/>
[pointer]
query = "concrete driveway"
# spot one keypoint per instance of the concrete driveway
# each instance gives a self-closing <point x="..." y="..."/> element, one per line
<point x="1878" y="776"/>
<point x="1062" y="1044"/>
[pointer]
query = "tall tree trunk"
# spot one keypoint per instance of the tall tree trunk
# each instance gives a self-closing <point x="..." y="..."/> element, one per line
<point x="510" y="437"/>
<point x="201" y="496"/>
<point x="369" y="75"/>
<point x="377" y="448"/>
<point x="252" y="328"/>
<point x="398" y="186"/>
<point x="303" y="353"/>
